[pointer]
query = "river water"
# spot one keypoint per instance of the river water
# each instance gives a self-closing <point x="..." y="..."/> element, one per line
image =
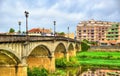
<point x="87" y="71"/>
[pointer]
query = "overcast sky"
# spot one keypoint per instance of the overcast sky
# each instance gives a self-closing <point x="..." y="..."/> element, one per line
<point x="64" y="12"/>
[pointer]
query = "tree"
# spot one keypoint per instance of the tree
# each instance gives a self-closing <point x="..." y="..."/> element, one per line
<point x="61" y="34"/>
<point x="11" y="30"/>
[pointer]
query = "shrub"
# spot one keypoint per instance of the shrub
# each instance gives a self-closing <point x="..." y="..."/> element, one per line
<point x="29" y="72"/>
<point x="84" y="46"/>
<point x="63" y="62"/>
<point x="37" y="72"/>
<point x="60" y="62"/>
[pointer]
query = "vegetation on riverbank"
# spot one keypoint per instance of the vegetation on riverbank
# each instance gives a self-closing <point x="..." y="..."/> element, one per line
<point x="99" y="58"/>
<point x="62" y="62"/>
<point x="37" y="72"/>
<point x="85" y="45"/>
<point x="58" y="72"/>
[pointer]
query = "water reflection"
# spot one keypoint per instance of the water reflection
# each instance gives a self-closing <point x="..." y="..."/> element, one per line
<point x="89" y="71"/>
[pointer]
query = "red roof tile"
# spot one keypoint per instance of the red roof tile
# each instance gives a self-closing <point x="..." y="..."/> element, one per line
<point x="39" y="30"/>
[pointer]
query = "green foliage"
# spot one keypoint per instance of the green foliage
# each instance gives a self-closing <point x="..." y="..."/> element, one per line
<point x="73" y="62"/>
<point x="61" y="62"/>
<point x="99" y="58"/>
<point x="29" y="72"/>
<point x="103" y="55"/>
<point x="11" y="30"/>
<point x="84" y="46"/>
<point x="19" y="31"/>
<point x="61" y="34"/>
<point x="37" y="72"/>
<point x="58" y="72"/>
<point x="93" y="43"/>
<point x="86" y="41"/>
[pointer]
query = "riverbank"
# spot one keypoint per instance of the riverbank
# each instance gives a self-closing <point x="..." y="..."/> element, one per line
<point x="108" y="59"/>
<point x="83" y="62"/>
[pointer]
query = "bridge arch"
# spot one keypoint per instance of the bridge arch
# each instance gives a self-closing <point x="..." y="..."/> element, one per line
<point x="8" y="57"/>
<point x="40" y="56"/>
<point x="60" y="51"/>
<point x="38" y="47"/>
<point x="71" y="50"/>
<point x="9" y="63"/>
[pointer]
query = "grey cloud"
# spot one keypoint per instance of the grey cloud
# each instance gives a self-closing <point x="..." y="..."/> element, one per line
<point x="65" y="12"/>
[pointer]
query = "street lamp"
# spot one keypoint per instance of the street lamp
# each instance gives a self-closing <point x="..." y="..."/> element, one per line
<point x="75" y="35"/>
<point x="19" y="23"/>
<point x="68" y="31"/>
<point x="54" y="27"/>
<point x="43" y="31"/>
<point x="26" y="15"/>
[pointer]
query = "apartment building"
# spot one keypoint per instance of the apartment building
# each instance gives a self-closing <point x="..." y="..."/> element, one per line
<point x="113" y="34"/>
<point x="92" y="30"/>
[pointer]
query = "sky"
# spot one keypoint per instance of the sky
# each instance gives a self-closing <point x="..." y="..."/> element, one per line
<point x="66" y="13"/>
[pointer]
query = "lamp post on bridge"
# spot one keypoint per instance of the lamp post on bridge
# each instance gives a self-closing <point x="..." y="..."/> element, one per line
<point x="68" y="31"/>
<point x="19" y="23"/>
<point x="43" y="32"/>
<point x="26" y="15"/>
<point x="54" y="27"/>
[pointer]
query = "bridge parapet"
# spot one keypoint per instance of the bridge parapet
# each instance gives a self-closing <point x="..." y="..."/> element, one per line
<point x="17" y="38"/>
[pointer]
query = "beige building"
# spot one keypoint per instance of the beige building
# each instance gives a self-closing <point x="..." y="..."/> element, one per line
<point x="92" y="30"/>
<point x="70" y="35"/>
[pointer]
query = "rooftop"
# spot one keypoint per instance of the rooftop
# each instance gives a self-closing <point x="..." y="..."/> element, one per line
<point x="39" y="30"/>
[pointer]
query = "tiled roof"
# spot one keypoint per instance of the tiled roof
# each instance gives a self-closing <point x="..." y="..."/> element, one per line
<point x="39" y="30"/>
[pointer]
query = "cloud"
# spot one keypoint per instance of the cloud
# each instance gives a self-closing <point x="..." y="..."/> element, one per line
<point x="65" y="12"/>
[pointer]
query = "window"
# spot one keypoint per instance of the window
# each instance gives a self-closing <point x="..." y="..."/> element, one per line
<point x="92" y="30"/>
<point x="112" y="29"/>
<point x="84" y="30"/>
<point x="116" y="36"/>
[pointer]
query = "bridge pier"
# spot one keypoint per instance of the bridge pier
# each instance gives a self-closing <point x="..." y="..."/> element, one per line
<point x="13" y="70"/>
<point x="52" y="69"/>
<point x="42" y="62"/>
<point x="22" y="70"/>
<point x="67" y="56"/>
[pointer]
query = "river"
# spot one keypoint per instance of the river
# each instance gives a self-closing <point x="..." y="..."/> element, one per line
<point x="86" y="71"/>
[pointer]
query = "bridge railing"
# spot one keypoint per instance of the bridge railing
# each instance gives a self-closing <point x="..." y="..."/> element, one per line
<point x="14" y="38"/>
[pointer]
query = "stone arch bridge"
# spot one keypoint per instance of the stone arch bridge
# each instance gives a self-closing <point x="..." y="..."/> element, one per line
<point x="17" y="52"/>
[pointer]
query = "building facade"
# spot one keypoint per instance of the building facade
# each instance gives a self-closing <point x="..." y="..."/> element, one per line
<point x="113" y="34"/>
<point x="70" y="35"/>
<point x="105" y="33"/>
<point x="92" y="30"/>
